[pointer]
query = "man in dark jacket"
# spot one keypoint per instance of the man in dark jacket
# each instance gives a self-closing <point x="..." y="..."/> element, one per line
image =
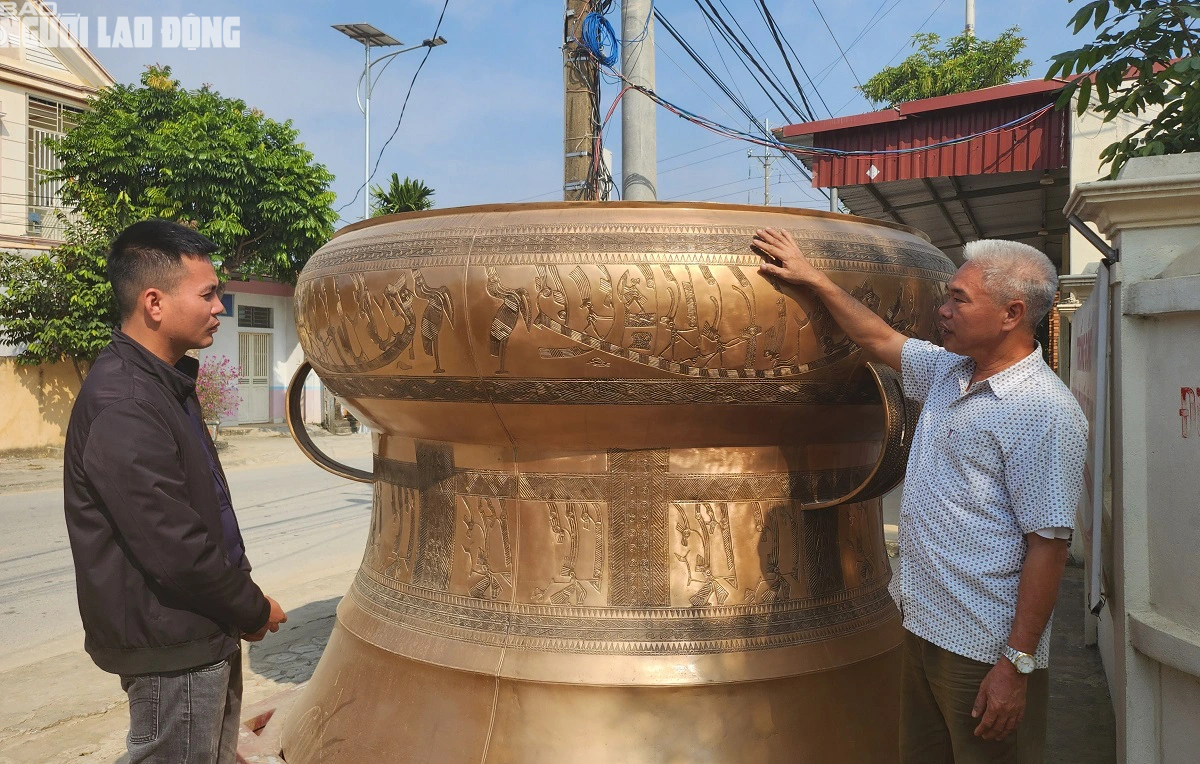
<point x="164" y="585"/>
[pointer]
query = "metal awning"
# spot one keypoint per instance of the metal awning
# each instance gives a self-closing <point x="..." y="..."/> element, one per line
<point x="1019" y="206"/>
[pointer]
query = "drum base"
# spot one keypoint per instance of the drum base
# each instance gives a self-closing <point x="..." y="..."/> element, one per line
<point x="366" y="704"/>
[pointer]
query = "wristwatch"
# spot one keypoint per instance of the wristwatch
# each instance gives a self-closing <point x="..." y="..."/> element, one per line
<point x="1024" y="662"/>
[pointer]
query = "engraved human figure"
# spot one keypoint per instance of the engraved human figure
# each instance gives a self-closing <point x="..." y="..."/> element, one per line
<point x="902" y="316"/>
<point x="399" y="299"/>
<point x="347" y="338"/>
<point x="716" y="579"/>
<point x="574" y="525"/>
<point x="631" y="296"/>
<point x="549" y="286"/>
<point x="591" y="316"/>
<point x="327" y="338"/>
<point x="682" y="295"/>
<point x="773" y="585"/>
<point x="488" y="547"/>
<point x="367" y="308"/>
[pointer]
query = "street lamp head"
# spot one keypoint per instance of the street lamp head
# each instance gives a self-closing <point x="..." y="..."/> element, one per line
<point x="439" y="40"/>
<point x="367" y="35"/>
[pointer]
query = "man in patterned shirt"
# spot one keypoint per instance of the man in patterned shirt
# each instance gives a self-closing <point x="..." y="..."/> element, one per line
<point x="989" y="499"/>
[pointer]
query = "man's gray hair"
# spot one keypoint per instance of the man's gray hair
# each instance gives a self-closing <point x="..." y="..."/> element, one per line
<point x="1015" y="271"/>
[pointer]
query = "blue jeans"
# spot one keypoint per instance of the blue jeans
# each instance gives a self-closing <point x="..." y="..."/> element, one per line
<point x="185" y="717"/>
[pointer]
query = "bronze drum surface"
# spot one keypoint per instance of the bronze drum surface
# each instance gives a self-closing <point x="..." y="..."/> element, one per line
<point x="625" y="491"/>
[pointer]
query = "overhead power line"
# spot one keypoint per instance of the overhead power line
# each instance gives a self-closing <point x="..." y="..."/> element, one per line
<point x="776" y="35"/>
<point x="739" y="47"/>
<point x="666" y="24"/>
<point x="838" y="44"/>
<point x="872" y="22"/>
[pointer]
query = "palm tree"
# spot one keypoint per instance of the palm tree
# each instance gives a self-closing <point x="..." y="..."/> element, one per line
<point x="408" y="195"/>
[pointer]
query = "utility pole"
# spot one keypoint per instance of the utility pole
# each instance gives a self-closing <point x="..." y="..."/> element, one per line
<point x="581" y="83"/>
<point x="767" y="158"/>
<point x="971" y="17"/>
<point x="639" y="149"/>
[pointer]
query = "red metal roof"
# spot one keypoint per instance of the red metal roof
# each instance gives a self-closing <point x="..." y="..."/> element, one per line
<point x="1035" y="144"/>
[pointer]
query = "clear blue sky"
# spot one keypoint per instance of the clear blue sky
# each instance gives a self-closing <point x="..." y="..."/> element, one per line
<point x="484" y="123"/>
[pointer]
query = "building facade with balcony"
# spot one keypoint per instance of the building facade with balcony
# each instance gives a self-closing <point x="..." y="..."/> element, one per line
<point x="43" y="87"/>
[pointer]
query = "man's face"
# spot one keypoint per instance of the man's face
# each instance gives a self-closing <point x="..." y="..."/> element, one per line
<point x="190" y="310"/>
<point x="971" y="321"/>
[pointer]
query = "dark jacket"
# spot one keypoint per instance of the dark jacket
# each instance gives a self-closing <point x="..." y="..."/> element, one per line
<point x="156" y="589"/>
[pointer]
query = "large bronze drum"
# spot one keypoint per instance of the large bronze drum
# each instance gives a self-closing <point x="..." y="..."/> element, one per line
<point x="625" y="490"/>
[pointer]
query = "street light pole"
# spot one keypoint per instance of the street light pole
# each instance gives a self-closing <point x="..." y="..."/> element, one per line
<point x="370" y="37"/>
<point x="367" y="134"/>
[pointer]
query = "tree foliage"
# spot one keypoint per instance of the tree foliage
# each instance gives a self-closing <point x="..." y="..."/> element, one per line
<point x="158" y="150"/>
<point x="964" y="63"/>
<point x="409" y="195"/>
<point x="59" y="304"/>
<point x="1145" y="60"/>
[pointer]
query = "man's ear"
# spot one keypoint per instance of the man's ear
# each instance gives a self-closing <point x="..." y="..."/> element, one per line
<point x="1014" y="315"/>
<point x="151" y="304"/>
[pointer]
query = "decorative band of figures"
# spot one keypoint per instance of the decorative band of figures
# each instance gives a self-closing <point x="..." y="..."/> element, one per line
<point x="671" y="299"/>
<point x="631" y="556"/>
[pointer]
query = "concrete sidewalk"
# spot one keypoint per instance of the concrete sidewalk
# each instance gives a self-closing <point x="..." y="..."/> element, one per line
<point x="64" y="709"/>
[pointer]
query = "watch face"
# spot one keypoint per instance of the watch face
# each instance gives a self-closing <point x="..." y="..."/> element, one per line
<point x="1025" y="663"/>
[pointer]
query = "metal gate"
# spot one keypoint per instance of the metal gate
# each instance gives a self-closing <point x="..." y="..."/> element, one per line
<point x="254" y="377"/>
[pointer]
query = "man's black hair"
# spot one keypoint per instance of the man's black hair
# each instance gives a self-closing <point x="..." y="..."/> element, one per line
<point x="149" y="254"/>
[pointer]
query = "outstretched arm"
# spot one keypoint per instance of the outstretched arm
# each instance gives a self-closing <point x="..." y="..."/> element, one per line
<point x="783" y="260"/>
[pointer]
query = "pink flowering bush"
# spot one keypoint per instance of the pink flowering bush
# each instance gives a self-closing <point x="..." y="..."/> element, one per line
<point x="217" y="388"/>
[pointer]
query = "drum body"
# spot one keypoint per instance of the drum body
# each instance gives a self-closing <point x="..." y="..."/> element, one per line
<point x="626" y="491"/>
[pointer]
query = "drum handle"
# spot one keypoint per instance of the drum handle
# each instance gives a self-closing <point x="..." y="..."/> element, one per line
<point x="305" y="442"/>
<point x="900" y="415"/>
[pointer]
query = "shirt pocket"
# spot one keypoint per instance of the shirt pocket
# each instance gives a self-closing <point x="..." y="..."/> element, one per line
<point x="975" y="457"/>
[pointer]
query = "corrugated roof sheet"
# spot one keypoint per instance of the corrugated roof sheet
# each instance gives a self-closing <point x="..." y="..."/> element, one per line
<point x="1041" y="143"/>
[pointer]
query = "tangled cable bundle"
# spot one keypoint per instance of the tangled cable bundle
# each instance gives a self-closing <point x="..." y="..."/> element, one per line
<point x="597" y="35"/>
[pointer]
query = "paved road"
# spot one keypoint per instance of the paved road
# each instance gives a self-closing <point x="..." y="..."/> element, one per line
<point x="298" y="521"/>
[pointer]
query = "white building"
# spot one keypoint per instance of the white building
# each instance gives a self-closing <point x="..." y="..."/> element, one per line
<point x="258" y="335"/>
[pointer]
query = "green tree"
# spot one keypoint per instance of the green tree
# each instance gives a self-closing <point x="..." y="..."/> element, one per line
<point x="158" y="150"/>
<point x="965" y="63"/>
<point x="409" y="195"/>
<point x="1145" y="60"/>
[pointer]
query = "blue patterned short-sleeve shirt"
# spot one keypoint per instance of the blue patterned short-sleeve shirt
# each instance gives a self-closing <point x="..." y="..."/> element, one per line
<point x="990" y="463"/>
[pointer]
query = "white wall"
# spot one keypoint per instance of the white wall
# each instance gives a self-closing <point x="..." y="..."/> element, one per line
<point x="1090" y="135"/>
<point x="1150" y="635"/>
<point x="13" y="159"/>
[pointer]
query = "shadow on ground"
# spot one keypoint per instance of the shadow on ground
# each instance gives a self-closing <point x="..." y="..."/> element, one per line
<point x="290" y="655"/>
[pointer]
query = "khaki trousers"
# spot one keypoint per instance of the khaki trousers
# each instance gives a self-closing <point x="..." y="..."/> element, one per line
<point x="938" y="690"/>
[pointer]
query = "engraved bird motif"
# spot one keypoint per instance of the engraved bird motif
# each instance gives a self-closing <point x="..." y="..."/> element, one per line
<point x="439" y="306"/>
<point x="514" y="307"/>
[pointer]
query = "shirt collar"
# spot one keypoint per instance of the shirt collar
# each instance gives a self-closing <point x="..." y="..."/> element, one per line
<point x="1007" y="381"/>
<point x="179" y="379"/>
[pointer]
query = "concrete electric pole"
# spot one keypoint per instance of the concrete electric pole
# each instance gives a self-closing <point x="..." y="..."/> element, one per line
<point x="581" y="80"/>
<point x="639" y="147"/>
<point x="767" y="158"/>
<point x="971" y="17"/>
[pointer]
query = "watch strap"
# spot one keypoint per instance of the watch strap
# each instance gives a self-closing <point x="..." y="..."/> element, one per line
<point x="1023" y="662"/>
